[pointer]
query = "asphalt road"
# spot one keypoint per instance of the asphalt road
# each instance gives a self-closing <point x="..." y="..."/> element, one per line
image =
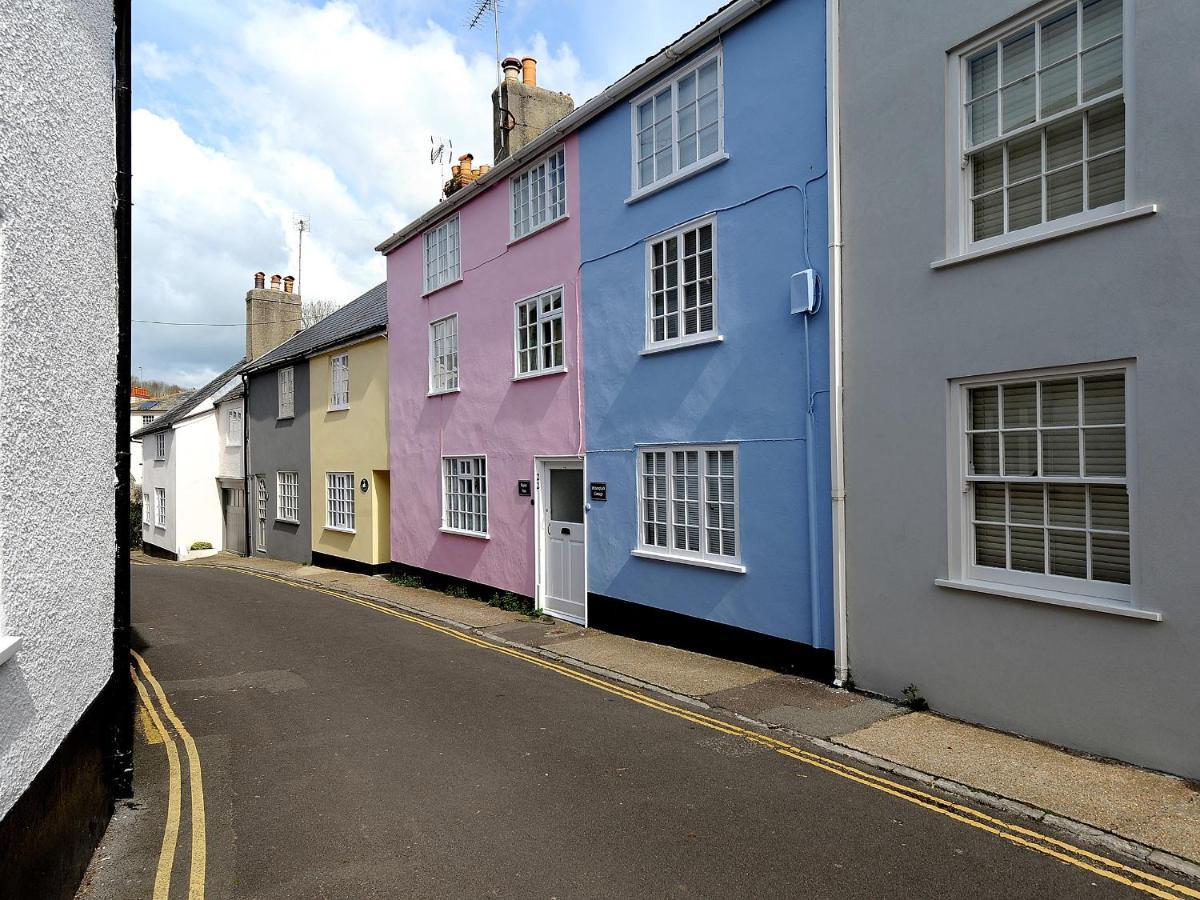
<point x="351" y="754"/>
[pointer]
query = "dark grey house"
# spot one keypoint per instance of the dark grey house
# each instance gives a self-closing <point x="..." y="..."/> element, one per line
<point x="278" y="410"/>
<point x="1020" y="225"/>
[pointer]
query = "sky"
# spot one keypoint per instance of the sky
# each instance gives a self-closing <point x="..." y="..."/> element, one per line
<point x="248" y="112"/>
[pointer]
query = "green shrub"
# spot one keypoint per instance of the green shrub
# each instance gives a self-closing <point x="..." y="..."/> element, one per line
<point x="135" y="521"/>
<point x="511" y="602"/>
<point x="405" y="580"/>
<point x="200" y="545"/>
<point x="913" y="699"/>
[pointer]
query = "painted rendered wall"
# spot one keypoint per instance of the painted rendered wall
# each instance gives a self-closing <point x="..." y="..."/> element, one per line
<point x="159" y="473"/>
<point x="1108" y="685"/>
<point x="58" y="348"/>
<point x="350" y="440"/>
<point x="135" y="450"/>
<point x="508" y="421"/>
<point x="752" y="386"/>
<point x="230" y="461"/>
<point x="282" y="445"/>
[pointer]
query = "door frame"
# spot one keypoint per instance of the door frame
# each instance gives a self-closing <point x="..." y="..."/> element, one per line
<point x="541" y="477"/>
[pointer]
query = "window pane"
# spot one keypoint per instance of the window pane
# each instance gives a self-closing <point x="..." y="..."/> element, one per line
<point x="1110" y="558"/>
<point x="1104" y="399"/>
<point x="708" y="77"/>
<point x="1025" y="204"/>
<point x="1068" y="554"/>
<point x="1101" y="20"/>
<point x="1019" y="102"/>
<point x="1025" y="504"/>
<point x="1058" y="37"/>
<point x="1060" y="402"/>
<point x="990" y="549"/>
<point x="985" y="454"/>
<point x="1101" y="70"/>
<point x="1058" y="87"/>
<point x="687" y="89"/>
<point x="982" y="74"/>
<point x="1017" y="56"/>
<point x="1064" y="143"/>
<point x="566" y="495"/>
<point x="1067" y="505"/>
<point x="1106" y="180"/>
<point x="987" y="170"/>
<point x="988" y="216"/>
<point x="1024" y="158"/>
<point x="1020" y="453"/>
<point x="1109" y="507"/>
<point x="1020" y="406"/>
<point x="1064" y="193"/>
<point x="985" y="407"/>
<point x="1106" y="128"/>
<point x="1104" y="451"/>
<point x="1028" y="550"/>
<point x="645" y="114"/>
<point x="982" y="119"/>
<point x="989" y="502"/>
<point x="1060" y="452"/>
<point x="708" y="141"/>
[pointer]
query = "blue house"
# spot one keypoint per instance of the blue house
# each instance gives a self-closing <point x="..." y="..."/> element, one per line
<point x="706" y="362"/>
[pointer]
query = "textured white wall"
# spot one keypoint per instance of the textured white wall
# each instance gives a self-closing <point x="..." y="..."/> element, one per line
<point x="159" y="473"/>
<point x="135" y="450"/>
<point x="197" y="503"/>
<point x="231" y="456"/>
<point x="58" y="347"/>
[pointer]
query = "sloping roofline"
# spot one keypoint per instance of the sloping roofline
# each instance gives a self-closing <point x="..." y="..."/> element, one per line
<point x="182" y="410"/>
<point x="724" y="18"/>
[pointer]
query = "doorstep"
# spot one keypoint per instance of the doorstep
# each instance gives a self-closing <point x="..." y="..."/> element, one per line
<point x="1148" y="815"/>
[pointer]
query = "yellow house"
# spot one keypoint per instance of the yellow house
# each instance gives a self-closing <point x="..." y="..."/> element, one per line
<point x="348" y="435"/>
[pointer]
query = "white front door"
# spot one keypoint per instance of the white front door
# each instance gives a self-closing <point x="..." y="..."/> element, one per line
<point x="563" y="573"/>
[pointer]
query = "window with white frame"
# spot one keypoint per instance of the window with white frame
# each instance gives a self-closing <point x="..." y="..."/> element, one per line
<point x="1045" y="499"/>
<point x="688" y="502"/>
<point x="678" y="126"/>
<point x="145" y="508"/>
<point x="443" y="355"/>
<point x="1043" y="120"/>
<point x="539" y="334"/>
<point x="160" y="507"/>
<point x="539" y="194"/>
<point x="146" y="420"/>
<point x="339" y="501"/>
<point x="160" y="445"/>
<point x="287" y="496"/>
<point x="233" y="427"/>
<point x="260" y="532"/>
<point x="442" y="264"/>
<point x="464" y="494"/>
<point x="287" y="393"/>
<point x="681" y="286"/>
<point x="339" y="381"/>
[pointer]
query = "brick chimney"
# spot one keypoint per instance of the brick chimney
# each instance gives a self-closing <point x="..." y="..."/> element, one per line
<point x="521" y="109"/>
<point x="272" y="314"/>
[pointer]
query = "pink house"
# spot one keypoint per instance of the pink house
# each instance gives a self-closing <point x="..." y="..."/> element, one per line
<point x="485" y="386"/>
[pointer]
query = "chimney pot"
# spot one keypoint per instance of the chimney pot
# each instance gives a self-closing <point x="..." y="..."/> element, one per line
<point x="529" y="70"/>
<point x="484" y="168"/>
<point x="260" y="279"/>
<point x="512" y="68"/>
<point x="289" y="283"/>
<point x="275" y="279"/>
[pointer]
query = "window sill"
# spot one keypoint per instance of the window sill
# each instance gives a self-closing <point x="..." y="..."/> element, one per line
<point x="340" y="530"/>
<point x="537" y="230"/>
<point x="442" y="287"/>
<point x="1050" y="235"/>
<point x="284" y="521"/>
<point x="691" y="561"/>
<point x="682" y="345"/>
<point x="283" y="418"/>
<point x="8" y="648"/>
<point x="1053" y="598"/>
<point x="469" y="534"/>
<point x="676" y="177"/>
<point x="561" y="370"/>
<point x="338" y="408"/>
<point x="443" y="393"/>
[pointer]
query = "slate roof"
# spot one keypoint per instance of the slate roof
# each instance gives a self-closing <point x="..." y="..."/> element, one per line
<point x="187" y="406"/>
<point x="359" y="317"/>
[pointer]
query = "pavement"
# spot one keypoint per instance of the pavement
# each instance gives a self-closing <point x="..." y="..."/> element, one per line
<point x="417" y="745"/>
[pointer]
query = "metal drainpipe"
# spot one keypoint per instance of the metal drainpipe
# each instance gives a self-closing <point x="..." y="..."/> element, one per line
<point x="246" y="460"/>
<point x="121" y="747"/>
<point x="841" y="662"/>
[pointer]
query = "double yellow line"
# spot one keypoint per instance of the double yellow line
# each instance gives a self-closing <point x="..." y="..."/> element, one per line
<point x="1063" y="851"/>
<point x="161" y="734"/>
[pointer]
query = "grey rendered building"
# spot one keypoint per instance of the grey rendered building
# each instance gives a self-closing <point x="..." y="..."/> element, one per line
<point x="1021" y="222"/>
<point x="277" y="415"/>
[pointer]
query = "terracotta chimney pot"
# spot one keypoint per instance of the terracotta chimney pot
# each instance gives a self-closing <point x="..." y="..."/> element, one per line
<point x="484" y="168"/>
<point x="528" y="70"/>
<point x="275" y="279"/>
<point x="289" y="283"/>
<point x="260" y="280"/>
<point x="512" y="68"/>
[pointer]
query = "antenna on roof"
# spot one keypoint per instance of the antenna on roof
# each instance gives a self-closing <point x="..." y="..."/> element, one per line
<point x="441" y="152"/>
<point x="302" y="222"/>
<point x="479" y="9"/>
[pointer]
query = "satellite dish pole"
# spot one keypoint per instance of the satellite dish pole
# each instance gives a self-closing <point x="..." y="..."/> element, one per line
<point x="302" y="222"/>
<point x="478" y="11"/>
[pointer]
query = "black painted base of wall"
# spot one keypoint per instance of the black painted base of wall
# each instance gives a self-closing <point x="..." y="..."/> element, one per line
<point x="48" y="837"/>
<point x="161" y="552"/>
<point x="329" y="561"/>
<point x="676" y="630"/>
<point x="439" y="581"/>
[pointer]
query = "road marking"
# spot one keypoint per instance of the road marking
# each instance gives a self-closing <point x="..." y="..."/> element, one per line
<point x="1097" y="864"/>
<point x="166" y="855"/>
<point x="152" y="734"/>
<point x="196" y="876"/>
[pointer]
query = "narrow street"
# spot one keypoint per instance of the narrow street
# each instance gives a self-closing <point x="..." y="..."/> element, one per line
<point x="348" y="753"/>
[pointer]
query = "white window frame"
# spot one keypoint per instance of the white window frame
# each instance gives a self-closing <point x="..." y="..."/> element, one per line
<point x="479" y="472"/>
<point x="540" y="319"/>
<point x="548" y="208"/>
<point x="962" y="569"/>
<point x="700" y="164"/>
<point x="146" y="420"/>
<point x="959" y="240"/>
<point x="444" y="380"/>
<point x="145" y="510"/>
<point x="682" y="340"/>
<point x="160" y="507"/>
<point x="233" y="427"/>
<point x="339" y="381"/>
<point x="262" y="498"/>
<point x="286" y="390"/>
<point x="670" y="552"/>
<point x="452" y="271"/>
<point x="287" y="497"/>
<point x="160" y="445"/>
<point x="339" y="489"/>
